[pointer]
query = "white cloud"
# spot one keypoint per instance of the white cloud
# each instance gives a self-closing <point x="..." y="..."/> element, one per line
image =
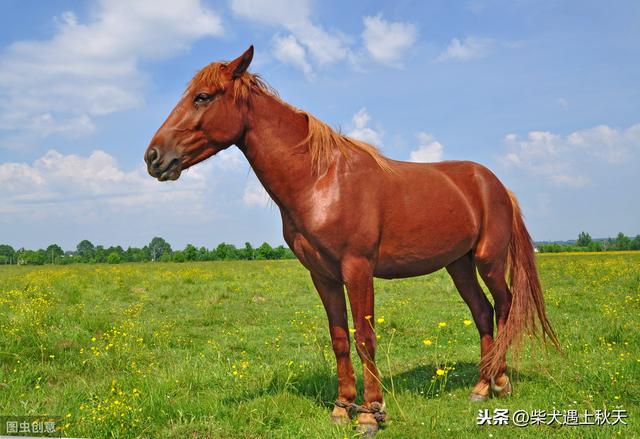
<point x="570" y="160"/>
<point x="295" y="17"/>
<point x="89" y="69"/>
<point x="468" y="48"/>
<point x="387" y="41"/>
<point x="255" y="194"/>
<point x="93" y="196"/>
<point x="230" y="159"/>
<point x="73" y="185"/>
<point x="362" y="132"/>
<point x="288" y="50"/>
<point x="428" y="150"/>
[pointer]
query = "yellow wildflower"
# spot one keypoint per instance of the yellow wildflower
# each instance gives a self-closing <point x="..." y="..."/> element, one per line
<point x="427" y="342"/>
<point x="380" y="319"/>
<point x="439" y="372"/>
<point x="442" y="324"/>
<point x="466" y="322"/>
<point x="352" y="330"/>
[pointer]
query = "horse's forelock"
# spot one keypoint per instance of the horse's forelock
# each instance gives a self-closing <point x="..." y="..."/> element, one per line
<point x="212" y="75"/>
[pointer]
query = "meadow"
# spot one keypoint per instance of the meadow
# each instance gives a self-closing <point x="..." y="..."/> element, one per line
<point x="241" y="350"/>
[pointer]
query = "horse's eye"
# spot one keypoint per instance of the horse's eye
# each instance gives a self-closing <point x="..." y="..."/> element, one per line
<point x="202" y="98"/>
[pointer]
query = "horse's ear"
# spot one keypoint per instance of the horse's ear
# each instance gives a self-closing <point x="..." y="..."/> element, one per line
<point x="239" y="65"/>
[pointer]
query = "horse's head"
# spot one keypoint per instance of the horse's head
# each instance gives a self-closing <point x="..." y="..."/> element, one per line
<point x="209" y="117"/>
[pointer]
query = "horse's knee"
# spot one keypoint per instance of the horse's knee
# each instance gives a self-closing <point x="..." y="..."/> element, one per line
<point x="341" y="345"/>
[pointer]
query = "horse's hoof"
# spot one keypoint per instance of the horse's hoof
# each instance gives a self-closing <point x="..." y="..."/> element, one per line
<point x="367" y="425"/>
<point x="340" y="416"/>
<point x="367" y="430"/>
<point x="480" y="391"/>
<point x="501" y="386"/>
<point x="476" y="397"/>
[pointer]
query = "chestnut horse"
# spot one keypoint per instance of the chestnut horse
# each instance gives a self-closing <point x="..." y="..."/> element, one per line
<point x="350" y="214"/>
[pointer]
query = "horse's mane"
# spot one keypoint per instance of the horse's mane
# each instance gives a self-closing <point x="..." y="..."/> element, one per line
<point x="322" y="139"/>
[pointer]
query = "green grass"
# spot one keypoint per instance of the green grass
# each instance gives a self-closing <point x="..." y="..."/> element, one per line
<point x="241" y="350"/>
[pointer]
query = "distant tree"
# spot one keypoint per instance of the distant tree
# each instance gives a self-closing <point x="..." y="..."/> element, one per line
<point x="158" y="247"/>
<point x="584" y="239"/>
<point x="85" y="250"/>
<point x="226" y="252"/>
<point x="31" y="257"/>
<point x="117" y="249"/>
<point x="279" y="252"/>
<point x="190" y="253"/>
<point x="248" y="252"/>
<point x="134" y="254"/>
<point x="100" y="254"/>
<point x="221" y="251"/>
<point x="203" y="254"/>
<point x="595" y="246"/>
<point x="608" y="244"/>
<point x="179" y="256"/>
<point x="146" y="252"/>
<point x="114" y="258"/>
<point x="550" y="248"/>
<point x="232" y="253"/>
<point x="635" y="243"/>
<point x="622" y="242"/>
<point x="8" y="254"/>
<point x="54" y="252"/>
<point x="265" y="251"/>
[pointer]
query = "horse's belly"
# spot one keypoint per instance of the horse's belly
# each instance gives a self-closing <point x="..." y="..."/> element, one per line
<point x="415" y="254"/>
<point x="407" y="266"/>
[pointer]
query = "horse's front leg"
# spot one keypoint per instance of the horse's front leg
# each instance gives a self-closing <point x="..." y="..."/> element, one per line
<point x="332" y="295"/>
<point x="357" y="274"/>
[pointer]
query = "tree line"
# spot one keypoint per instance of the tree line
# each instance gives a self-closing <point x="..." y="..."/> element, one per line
<point x="160" y="250"/>
<point x="157" y="250"/>
<point x="586" y="243"/>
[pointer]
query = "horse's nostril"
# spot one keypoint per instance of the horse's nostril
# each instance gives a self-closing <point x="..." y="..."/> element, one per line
<point x="152" y="155"/>
<point x="163" y="164"/>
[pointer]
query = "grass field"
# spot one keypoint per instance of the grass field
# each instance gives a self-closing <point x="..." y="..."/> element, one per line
<point x="241" y="350"/>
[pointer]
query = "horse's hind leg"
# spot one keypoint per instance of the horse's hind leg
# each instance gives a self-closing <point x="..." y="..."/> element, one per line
<point x="492" y="270"/>
<point x="463" y="273"/>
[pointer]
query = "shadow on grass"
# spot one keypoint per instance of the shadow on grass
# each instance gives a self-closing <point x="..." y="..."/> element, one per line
<point x="320" y="385"/>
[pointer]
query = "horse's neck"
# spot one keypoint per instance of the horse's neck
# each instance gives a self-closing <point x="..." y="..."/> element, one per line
<point x="270" y="144"/>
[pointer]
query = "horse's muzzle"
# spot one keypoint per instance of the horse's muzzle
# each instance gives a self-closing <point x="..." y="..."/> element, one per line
<point x="163" y="165"/>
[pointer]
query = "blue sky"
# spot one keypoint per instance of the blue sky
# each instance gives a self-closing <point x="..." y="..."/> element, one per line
<point x="545" y="94"/>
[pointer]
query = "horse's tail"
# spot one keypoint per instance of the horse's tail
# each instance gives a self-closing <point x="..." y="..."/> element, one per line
<point x="527" y="306"/>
